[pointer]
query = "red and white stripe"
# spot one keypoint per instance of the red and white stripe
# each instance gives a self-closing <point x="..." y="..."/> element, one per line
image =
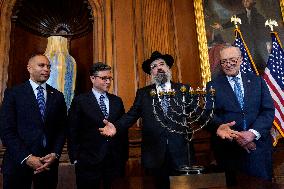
<point x="278" y="98"/>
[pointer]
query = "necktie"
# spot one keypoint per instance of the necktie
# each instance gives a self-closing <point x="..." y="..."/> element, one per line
<point x="164" y="100"/>
<point x="238" y="91"/>
<point x="41" y="101"/>
<point x="41" y="105"/>
<point x="103" y="106"/>
<point x="239" y="95"/>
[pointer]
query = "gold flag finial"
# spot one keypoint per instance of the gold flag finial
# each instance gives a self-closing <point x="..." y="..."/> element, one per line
<point x="236" y="20"/>
<point x="271" y="24"/>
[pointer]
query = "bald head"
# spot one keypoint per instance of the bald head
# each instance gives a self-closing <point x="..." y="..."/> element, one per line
<point x="39" y="68"/>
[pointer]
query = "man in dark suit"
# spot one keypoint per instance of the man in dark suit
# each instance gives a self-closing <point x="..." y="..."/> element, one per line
<point x="97" y="158"/>
<point x="244" y="114"/>
<point x="32" y="123"/>
<point x="164" y="151"/>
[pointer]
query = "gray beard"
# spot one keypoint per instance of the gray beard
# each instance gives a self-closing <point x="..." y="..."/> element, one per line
<point x="161" y="78"/>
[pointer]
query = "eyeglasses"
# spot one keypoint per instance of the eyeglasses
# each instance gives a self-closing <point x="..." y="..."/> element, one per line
<point x="232" y="61"/>
<point x="153" y="66"/>
<point x="104" y="78"/>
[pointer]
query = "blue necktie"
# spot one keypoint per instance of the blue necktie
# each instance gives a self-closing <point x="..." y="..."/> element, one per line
<point x="103" y="106"/>
<point x="164" y="100"/>
<point x="239" y="95"/>
<point x="41" y="101"/>
<point x="41" y="104"/>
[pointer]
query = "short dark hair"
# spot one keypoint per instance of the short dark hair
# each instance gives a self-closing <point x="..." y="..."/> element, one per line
<point x="35" y="55"/>
<point x="98" y="66"/>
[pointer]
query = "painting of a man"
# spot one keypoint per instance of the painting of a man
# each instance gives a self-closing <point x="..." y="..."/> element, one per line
<point x="253" y="14"/>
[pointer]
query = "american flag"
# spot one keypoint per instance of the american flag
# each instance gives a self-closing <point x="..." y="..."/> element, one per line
<point x="274" y="77"/>
<point x="247" y="65"/>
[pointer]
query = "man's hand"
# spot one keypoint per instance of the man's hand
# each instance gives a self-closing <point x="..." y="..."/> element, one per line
<point x="225" y="132"/>
<point x="250" y="147"/>
<point x="47" y="161"/>
<point x="108" y="130"/>
<point x="34" y="162"/>
<point x="245" y="140"/>
<point x="245" y="137"/>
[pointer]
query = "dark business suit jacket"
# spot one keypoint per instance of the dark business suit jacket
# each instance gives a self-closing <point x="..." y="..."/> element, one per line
<point x="85" y="143"/>
<point x="156" y="139"/>
<point x="22" y="128"/>
<point x="259" y="114"/>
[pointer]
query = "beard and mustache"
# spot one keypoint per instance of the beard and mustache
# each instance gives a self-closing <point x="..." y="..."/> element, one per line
<point x="161" y="77"/>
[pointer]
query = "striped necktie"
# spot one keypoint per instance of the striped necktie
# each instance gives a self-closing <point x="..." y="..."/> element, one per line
<point x="238" y="91"/>
<point x="41" y="101"/>
<point x="240" y="96"/>
<point x="103" y="106"/>
<point x="41" y="104"/>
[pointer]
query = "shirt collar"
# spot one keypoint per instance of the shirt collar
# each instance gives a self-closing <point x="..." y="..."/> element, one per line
<point x="98" y="94"/>
<point x="230" y="78"/>
<point x="167" y="86"/>
<point x="35" y="85"/>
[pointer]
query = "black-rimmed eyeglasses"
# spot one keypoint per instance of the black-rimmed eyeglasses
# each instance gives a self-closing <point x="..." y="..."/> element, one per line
<point x="231" y="61"/>
<point x="104" y="78"/>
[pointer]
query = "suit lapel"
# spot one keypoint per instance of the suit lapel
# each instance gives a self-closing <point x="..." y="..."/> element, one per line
<point x="248" y="89"/>
<point x="31" y="101"/>
<point x="229" y="93"/>
<point x="49" y="100"/>
<point x="95" y="108"/>
<point x="111" y="105"/>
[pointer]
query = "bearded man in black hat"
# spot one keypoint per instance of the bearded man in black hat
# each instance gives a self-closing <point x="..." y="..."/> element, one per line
<point x="163" y="151"/>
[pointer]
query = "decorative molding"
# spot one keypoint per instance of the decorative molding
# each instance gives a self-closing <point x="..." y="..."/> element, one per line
<point x="102" y="34"/>
<point x="202" y="42"/>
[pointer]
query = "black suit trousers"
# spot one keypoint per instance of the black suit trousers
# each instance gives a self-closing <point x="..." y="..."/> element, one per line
<point x="23" y="178"/>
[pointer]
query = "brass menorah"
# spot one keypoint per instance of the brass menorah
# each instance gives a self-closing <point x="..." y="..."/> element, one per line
<point x="189" y="111"/>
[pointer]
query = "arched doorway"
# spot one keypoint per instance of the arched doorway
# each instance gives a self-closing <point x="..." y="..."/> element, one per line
<point x="102" y="49"/>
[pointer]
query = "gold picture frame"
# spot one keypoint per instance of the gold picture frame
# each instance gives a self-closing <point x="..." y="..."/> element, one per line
<point x="202" y="40"/>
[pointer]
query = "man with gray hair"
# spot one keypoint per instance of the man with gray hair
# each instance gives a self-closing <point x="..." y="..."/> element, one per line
<point x="244" y="113"/>
<point x="163" y="151"/>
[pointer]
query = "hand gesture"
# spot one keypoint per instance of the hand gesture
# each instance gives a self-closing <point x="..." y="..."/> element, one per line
<point x="225" y="132"/>
<point x="108" y="130"/>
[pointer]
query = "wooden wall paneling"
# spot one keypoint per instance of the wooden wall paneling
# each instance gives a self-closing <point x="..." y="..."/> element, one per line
<point x="141" y="77"/>
<point x="124" y="51"/>
<point x="24" y="44"/>
<point x="5" y="29"/>
<point x="187" y="42"/>
<point x="158" y="29"/>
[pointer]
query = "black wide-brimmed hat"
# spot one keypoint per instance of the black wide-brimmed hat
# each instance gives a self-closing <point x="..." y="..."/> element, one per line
<point x="155" y="56"/>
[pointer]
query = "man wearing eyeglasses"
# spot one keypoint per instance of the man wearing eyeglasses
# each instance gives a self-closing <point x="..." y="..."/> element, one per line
<point x="163" y="151"/>
<point x="243" y="118"/>
<point x="97" y="158"/>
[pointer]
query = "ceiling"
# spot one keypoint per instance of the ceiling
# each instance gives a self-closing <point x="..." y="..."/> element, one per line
<point x="71" y="18"/>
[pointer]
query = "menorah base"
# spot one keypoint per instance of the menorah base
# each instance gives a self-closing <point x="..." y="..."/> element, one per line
<point x="189" y="170"/>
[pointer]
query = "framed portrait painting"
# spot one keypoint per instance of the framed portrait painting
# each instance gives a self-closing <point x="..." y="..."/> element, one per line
<point x="218" y="29"/>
